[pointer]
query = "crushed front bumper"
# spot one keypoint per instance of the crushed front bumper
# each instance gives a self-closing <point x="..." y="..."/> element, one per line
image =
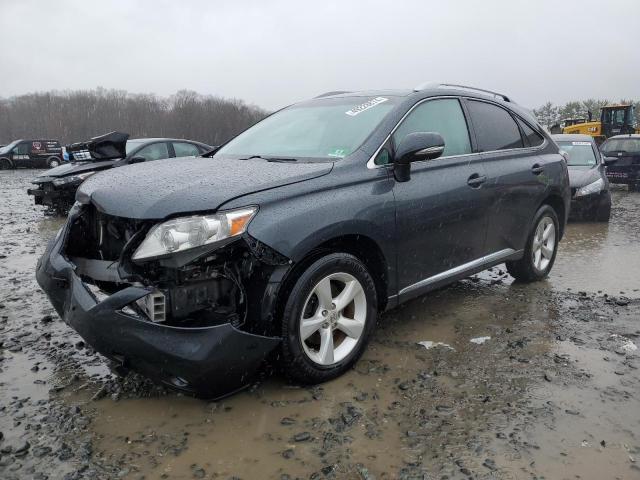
<point x="60" y="199"/>
<point x="209" y="361"/>
<point x="43" y="197"/>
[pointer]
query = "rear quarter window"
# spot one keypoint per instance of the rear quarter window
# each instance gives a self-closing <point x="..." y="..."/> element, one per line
<point x="531" y="137"/>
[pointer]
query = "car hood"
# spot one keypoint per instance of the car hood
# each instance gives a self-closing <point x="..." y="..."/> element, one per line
<point x="155" y="190"/>
<point x="74" y="168"/>
<point x="581" y="176"/>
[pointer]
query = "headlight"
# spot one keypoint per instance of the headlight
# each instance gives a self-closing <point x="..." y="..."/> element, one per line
<point x="594" y="187"/>
<point x="184" y="233"/>
<point x="72" y="179"/>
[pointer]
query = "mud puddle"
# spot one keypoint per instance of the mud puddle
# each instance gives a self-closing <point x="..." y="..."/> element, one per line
<point x="603" y="257"/>
<point x="518" y="381"/>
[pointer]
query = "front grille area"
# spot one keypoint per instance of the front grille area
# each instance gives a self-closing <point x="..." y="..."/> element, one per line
<point x="98" y="236"/>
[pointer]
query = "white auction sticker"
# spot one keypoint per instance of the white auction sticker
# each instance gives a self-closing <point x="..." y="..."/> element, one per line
<point x="581" y="143"/>
<point x="366" y="106"/>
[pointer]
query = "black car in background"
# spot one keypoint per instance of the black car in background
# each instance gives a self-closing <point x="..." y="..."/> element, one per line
<point x="590" y="195"/>
<point x="303" y="228"/>
<point x="56" y="188"/>
<point x="31" y="154"/>
<point x="622" y="154"/>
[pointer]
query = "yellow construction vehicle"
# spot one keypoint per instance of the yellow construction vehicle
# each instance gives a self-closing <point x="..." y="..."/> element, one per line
<point x="614" y="120"/>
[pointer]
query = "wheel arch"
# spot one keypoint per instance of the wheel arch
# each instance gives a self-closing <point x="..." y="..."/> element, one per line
<point x="11" y="164"/>
<point x="363" y="247"/>
<point x="557" y="203"/>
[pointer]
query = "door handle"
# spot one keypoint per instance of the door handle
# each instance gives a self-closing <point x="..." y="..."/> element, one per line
<point x="537" y="169"/>
<point x="476" y="180"/>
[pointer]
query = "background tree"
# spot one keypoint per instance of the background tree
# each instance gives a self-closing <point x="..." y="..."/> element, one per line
<point x="547" y="114"/>
<point x="73" y="116"/>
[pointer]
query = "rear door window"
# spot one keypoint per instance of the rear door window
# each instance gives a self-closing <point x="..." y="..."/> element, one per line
<point x="155" y="151"/>
<point x="443" y="116"/>
<point x="495" y="127"/>
<point x="184" y="149"/>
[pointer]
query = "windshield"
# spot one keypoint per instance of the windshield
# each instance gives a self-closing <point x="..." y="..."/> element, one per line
<point x="626" y="145"/>
<point x="6" y="148"/>
<point x="320" y="128"/>
<point x="581" y="154"/>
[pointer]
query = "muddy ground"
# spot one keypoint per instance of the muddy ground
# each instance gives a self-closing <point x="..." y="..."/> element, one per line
<point x="484" y="379"/>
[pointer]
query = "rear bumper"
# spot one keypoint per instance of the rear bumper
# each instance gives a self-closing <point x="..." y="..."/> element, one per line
<point x="621" y="175"/>
<point x="210" y="361"/>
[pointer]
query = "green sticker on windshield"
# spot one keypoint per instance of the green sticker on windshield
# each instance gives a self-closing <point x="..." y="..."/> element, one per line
<point x="338" y="152"/>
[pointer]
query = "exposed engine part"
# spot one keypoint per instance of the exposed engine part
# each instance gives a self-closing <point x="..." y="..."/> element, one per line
<point x="213" y="287"/>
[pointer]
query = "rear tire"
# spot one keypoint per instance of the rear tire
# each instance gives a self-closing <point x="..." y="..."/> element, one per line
<point x="541" y="248"/>
<point x="53" y="162"/>
<point x="324" y="332"/>
<point x="5" y="164"/>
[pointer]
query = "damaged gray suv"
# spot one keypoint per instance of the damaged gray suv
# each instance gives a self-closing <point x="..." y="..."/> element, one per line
<point x="301" y="230"/>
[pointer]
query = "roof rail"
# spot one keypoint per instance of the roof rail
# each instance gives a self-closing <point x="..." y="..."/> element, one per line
<point x="329" y="94"/>
<point x="426" y="85"/>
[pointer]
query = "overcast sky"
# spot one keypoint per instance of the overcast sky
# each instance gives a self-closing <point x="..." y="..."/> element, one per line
<point x="275" y="52"/>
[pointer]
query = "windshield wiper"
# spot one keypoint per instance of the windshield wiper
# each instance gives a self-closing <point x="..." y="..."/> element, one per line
<point x="270" y="159"/>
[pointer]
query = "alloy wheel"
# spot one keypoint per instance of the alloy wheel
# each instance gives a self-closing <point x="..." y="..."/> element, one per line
<point x="333" y="318"/>
<point x="544" y="243"/>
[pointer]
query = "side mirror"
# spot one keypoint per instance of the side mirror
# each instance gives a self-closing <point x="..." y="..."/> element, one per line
<point x="137" y="160"/>
<point x="414" y="147"/>
<point x="609" y="160"/>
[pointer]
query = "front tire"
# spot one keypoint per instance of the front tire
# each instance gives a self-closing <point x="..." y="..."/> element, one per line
<point x="5" y="164"/>
<point x="541" y="249"/>
<point x="328" y="319"/>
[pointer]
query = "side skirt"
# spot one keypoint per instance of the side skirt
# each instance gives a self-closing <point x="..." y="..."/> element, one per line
<point x="454" y="274"/>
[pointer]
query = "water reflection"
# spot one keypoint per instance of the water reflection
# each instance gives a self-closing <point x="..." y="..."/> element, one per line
<point x="602" y="256"/>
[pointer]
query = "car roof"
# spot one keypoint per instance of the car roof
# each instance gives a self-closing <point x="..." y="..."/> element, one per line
<point x="573" y="137"/>
<point x="35" y="140"/>
<point x="160" y="139"/>
<point x="436" y="90"/>
<point x="629" y="135"/>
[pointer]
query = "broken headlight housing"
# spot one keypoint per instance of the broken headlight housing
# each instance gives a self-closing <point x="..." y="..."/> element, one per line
<point x="79" y="178"/>
<point x="183" y="233"/>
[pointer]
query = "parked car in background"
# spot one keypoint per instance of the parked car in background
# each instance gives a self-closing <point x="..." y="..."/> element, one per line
<point x="304" y="228"/>
<point x="56" y="188"/>
<point x="622" y="155"/>
<point x="31" y="154"/>
<point x="590" y="195"/>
